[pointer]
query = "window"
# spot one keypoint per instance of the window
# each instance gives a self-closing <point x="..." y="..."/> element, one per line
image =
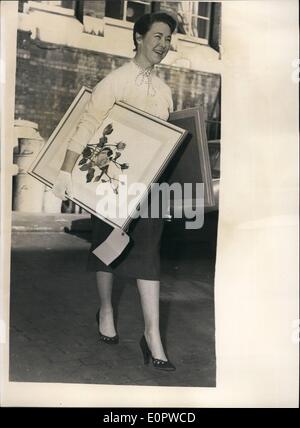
<point x="194" y="18"/>
<point x="127" y="10"/>
<point x="197" y="20"/>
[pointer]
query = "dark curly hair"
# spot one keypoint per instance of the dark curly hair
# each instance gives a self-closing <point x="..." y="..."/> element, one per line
<point x="144" y="23"/>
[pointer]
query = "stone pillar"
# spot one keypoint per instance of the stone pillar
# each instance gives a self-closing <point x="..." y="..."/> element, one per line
<point x="28" y="192"/>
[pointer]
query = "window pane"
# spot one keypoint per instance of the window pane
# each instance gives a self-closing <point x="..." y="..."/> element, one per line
<point x="69" y="4"/>
<point x="203" y="9"/>
<point x="183" y="16"/>
<point x="114" y="9"/>
<point x="94" y="8"/>
<point x="199" y="28"/>
<point x="135" y="10"/>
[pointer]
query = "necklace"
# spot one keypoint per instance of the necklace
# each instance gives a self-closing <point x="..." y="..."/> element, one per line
<point x="144" y="76"/>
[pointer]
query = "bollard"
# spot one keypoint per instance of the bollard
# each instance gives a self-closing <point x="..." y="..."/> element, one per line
<point x="27" y="192"/>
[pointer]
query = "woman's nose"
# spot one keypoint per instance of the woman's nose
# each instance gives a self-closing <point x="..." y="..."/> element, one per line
<point x="162" y="43"/>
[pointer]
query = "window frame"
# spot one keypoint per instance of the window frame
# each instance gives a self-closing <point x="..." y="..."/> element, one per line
<point x="194" y="39"/>
<point x="204" y="18"/>
<point x="125" y="23"/>
<point x="125" y="6"/>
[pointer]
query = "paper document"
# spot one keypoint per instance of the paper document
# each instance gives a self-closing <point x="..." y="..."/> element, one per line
<point x="112" y="247"/>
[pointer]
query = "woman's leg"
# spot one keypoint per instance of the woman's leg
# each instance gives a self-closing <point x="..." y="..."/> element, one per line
<point x="104" y="286"/>
<point x="149" y="294"/>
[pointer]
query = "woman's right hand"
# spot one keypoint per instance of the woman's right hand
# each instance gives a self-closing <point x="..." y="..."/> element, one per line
<point x="63" y="185"/>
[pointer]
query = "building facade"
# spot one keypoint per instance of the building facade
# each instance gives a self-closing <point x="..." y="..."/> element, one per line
<point x="60" y="51"/>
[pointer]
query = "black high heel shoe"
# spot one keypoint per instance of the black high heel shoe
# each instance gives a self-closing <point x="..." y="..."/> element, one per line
<point x="158" y="364"/>
<point x="106" y="339"/>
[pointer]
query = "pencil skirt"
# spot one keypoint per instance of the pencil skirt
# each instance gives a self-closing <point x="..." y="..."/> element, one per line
<point x="141" y="257"/>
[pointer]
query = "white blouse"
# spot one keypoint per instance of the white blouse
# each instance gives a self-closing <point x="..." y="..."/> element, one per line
<point x="127" y="84"/>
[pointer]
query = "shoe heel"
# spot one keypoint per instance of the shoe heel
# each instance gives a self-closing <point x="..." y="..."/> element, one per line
<point x="107" y="339"/>
<point x="145" y="350"/>
<point x="157" y="363"/>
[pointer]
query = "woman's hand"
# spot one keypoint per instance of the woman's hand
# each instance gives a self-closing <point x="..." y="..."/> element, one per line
<point x="63" y="185"/>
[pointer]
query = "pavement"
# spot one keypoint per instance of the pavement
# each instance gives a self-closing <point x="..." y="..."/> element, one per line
<point x="53" y="330"/>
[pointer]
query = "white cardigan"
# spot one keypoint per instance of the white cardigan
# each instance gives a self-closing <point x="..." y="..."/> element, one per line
<point x="125" y="84"/>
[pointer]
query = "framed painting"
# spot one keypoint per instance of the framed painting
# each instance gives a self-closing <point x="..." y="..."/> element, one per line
<point x="129" y="149"/>
<point x="191" y="164"/>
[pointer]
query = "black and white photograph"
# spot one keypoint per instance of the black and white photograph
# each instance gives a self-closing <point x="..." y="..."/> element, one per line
<point x="146" y="232"/>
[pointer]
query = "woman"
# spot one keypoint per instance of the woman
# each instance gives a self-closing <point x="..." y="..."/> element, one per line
<point x="136" y="84"/>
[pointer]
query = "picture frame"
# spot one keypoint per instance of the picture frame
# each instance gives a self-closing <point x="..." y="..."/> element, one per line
<point x="138" y="147"/>
<point x="192" y="164"/>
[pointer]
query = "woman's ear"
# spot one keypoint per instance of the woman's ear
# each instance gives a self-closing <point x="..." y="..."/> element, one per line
<point x="138" y="38"/>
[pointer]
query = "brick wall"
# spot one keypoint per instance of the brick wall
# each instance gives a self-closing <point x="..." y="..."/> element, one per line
<point x="50" y="76"/>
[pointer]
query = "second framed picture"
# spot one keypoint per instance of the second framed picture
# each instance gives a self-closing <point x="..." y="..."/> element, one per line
<point x="191" y="164"/>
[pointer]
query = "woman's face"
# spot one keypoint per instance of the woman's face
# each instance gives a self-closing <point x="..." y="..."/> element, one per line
<point x="155" y="44"/>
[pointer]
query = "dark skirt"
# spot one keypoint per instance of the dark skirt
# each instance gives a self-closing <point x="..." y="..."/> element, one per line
<point x="140" y="259"/>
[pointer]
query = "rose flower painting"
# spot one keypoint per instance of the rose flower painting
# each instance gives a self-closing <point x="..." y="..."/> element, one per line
<point x="100" y="160"/>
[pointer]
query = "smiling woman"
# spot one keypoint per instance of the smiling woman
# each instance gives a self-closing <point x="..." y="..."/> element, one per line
<point x="153" y="38"/>
<point x="154" y="45"/>
<point x="136" y="84"/>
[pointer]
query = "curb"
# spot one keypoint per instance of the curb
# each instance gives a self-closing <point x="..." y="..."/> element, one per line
<point x="43" y="222"/>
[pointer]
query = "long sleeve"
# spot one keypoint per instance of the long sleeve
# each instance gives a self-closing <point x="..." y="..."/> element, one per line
<point x="101" y="101"/>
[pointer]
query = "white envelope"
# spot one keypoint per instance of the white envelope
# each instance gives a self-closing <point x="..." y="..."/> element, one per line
<point x="112" y="247"/>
